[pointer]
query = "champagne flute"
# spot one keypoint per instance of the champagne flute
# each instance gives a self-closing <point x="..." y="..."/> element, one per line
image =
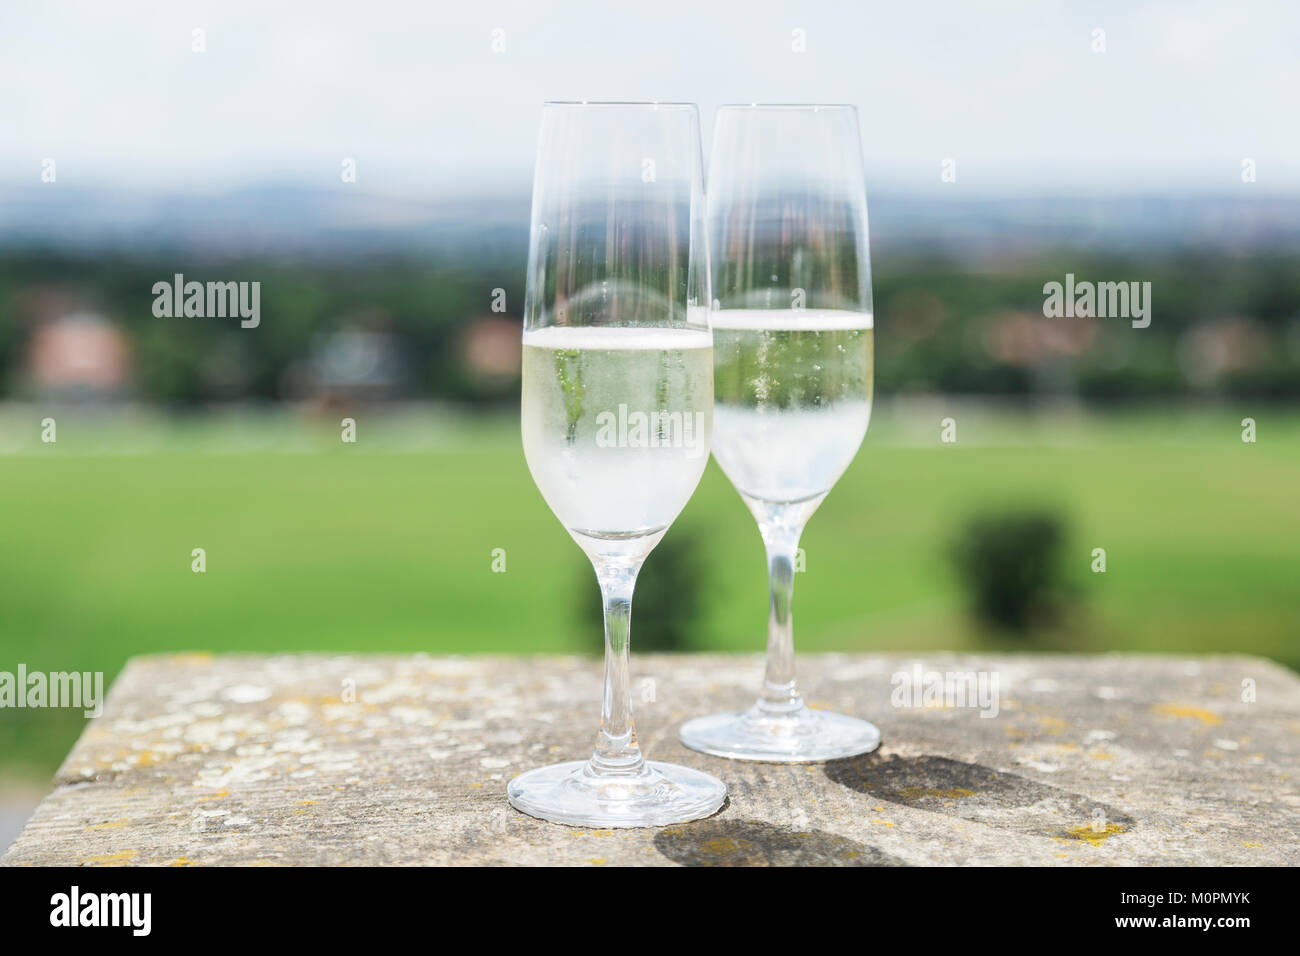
<point x="792" y="342"/>
<point x="617" y="407"/>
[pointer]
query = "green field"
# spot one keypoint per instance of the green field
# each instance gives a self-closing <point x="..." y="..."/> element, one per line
<point x="386" y="545"/>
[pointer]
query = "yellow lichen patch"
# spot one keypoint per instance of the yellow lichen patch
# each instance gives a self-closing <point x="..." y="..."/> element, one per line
<point x="885" y="823"/>
<point x="183" y="861"/>
<point x="306" y="803"/>
<point x="216" y="796"/>
<point x="597" y="861"/>
<point x="1053" y="726"/>
<point x="1101" y="755"/>
<point x="1207" y="717"/>
<point x="1093" y="836"/>
<point x="723" y="846"/>
<point x="112" y="859"/>
<point x="602" y="832"/>
<point x="913" y="793"/>
<point x="201" y="658"/>
<point x="1253" y="846"/>
<point x="110" y="825"/>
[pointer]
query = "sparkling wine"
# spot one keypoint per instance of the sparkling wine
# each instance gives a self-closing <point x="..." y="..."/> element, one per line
<point x="617" y="424"/>
<point x="793" y="398"/>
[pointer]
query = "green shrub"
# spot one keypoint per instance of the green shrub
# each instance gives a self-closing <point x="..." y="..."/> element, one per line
<point x="1010" y="562"/>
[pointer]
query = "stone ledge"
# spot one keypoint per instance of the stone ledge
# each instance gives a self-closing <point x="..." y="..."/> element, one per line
<point x="1113" y="760"/>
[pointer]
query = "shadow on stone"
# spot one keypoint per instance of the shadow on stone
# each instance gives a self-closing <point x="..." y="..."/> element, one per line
<point x="753" y="843"/>
<point x="976" y="793"/>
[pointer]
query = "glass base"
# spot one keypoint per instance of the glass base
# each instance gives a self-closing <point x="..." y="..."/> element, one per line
<point x="798" y="736"/>
<point x="661" y="794"/>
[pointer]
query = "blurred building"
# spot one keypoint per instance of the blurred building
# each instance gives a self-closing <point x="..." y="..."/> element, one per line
<point x="491" y="353"/>
<point x="79" y="356"/>
<point x="362" y="361"/>
<point x="1210" y="350"/>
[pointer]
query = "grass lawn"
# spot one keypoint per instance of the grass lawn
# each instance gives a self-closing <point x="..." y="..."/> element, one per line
<point x="387" y="545"/>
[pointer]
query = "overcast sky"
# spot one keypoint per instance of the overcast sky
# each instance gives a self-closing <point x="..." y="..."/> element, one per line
<point x="1010" y="89"/>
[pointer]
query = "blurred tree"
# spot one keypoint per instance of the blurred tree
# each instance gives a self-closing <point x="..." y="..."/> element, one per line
<point x="1010" y="562"/>
<point x="942" y="325"/>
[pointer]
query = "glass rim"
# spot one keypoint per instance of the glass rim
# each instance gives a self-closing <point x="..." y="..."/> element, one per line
<point x="810" y="107"/>
<point x="620" y="104"/>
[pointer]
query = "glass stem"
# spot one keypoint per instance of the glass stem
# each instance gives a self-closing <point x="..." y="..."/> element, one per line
<point x="617" y="751"/>
<point x="780" y="695"/>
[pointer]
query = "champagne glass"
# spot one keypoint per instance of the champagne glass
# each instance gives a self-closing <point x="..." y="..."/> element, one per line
<point x="617" y="404"/>
<point x="792" y="344"/>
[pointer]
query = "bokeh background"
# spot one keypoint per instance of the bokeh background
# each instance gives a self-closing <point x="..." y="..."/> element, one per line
<point x="1163" y="148"/>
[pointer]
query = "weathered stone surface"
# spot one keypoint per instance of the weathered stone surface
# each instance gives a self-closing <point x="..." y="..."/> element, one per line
<point x="264" y="760"/>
